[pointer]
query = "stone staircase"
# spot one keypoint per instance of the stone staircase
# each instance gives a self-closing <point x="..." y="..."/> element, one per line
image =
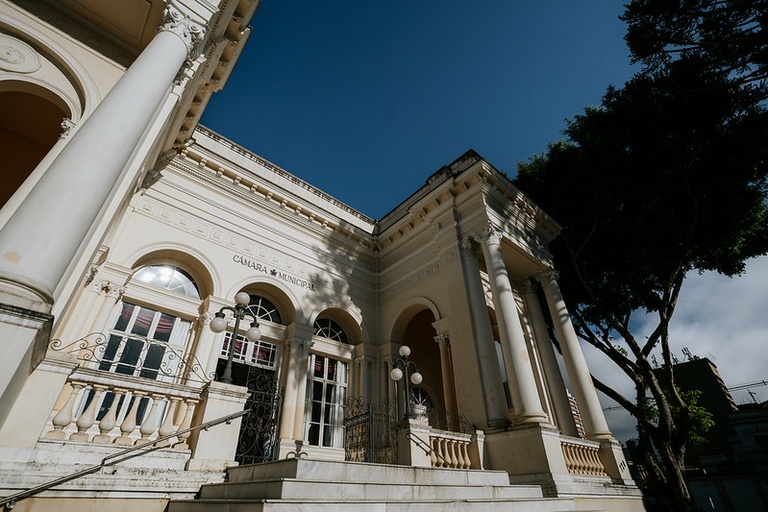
<point x="299" y="485"/>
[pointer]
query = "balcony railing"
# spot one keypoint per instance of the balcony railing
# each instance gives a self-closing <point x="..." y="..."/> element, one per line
<point x="104" y="408"/>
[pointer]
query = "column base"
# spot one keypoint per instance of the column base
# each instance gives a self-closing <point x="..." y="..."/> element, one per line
<point x="25" y="328"/>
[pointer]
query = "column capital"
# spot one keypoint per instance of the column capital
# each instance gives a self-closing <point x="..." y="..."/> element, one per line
<point x="443" y="339"/>
<point x="361" y="361"/>
<point x="189" y="31"/>
<point x="527" y="286"/>
<point x="112" y="290"/>
<point x="548" y="276"/>
<point x="489" y="236"/>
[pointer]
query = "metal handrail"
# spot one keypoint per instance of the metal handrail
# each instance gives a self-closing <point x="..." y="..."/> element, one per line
<point x="128" y="453"/>
<point x="424" y="447"/>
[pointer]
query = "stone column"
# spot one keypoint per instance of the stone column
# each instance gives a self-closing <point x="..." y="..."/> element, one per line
<point x="589" y="406"/>
<point x="490" y="373"/>
<point x="554" y="378"/>
<point x="290" y="397"/>
<point x="114" y="295"/>
<point x="522" y="384"/>
<point x="66" y="201"/>
<point x="205" y="356"/>
<point x="449" y="386"/>
<point x="302" y="368"/>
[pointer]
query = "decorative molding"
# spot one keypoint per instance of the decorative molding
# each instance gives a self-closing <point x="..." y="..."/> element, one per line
<point x="489" y="236"/>
<point x="548" y="277"/>
<point x="443" y="339"/>
<point x="190" y="32"/>
<point x="67" y="125"/>
<point x="17" y="56"/>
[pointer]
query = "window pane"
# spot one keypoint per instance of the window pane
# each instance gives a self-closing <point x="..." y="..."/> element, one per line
<point x="170" y="278"/>
<point x="152" y="361"/>
<point x="125" y="316"/>
<point x="143" y="322"/>
<point x="164" y="327"/>
<point x="130" y="356"/>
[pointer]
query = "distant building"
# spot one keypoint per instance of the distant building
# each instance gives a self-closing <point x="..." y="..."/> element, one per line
<point x="729" y="471"/>
<point x="127" y="230"/>
<point x="576" y="415"/>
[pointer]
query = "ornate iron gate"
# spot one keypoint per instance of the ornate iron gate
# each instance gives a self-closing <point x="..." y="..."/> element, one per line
<point x="370" y="432"/>
<point x="259" y="429"/>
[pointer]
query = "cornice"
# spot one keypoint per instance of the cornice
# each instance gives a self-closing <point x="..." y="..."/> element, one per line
<point x="282" y="173"/>
<point x="249" y="188"/>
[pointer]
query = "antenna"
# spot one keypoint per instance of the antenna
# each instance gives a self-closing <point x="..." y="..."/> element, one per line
<point x="689" y="356"/>
<point x="753" y="395"/>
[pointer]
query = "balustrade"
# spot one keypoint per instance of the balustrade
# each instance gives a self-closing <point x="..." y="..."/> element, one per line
<point x="582" y="456"/>
<point x="450" y="449"/>
<point x="124" y="412"/>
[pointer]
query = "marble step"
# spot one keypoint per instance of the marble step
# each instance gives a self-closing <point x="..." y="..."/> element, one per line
<point x="329" y="505"/>
<point x="294" y="489"/>
<point x="303" y="469"/>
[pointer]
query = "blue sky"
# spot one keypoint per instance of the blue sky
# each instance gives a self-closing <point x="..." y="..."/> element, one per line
<point x="366" y="99"/>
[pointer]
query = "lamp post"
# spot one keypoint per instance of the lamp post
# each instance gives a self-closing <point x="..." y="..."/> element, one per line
<point x="401" y="368"/>
<point x="219" y="323"/>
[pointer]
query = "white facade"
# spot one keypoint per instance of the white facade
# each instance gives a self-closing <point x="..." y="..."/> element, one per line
<point x="126" y="235"/>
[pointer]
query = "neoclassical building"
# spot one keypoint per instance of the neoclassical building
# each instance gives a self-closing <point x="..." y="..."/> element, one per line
<point x="127" y="230"/>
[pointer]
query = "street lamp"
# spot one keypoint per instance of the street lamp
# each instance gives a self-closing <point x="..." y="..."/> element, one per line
<point x="401" y="368"/>
<point x="219" y="323"/>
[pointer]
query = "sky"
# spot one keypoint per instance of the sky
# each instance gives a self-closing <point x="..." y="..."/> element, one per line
<point x="365" y="100"/>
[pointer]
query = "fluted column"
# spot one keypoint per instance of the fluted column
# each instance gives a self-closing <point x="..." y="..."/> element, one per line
<point x="554" y="378"/>
<point x="522" y="384"/>
<point x="449" y="386"/>
<point x="66" y="201"/>
<point x="490" y="373"/>
<point x="589" y="406"/>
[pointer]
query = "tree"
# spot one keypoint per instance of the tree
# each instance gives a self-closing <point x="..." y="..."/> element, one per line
<point x="730" y="35"/>
<point x="668" y="175"/>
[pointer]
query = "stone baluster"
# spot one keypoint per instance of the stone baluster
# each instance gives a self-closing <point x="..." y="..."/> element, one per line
<point x="109" y="421"/>
<point x="129" y="423"/>
<point x="433" y="460"/>
<point x="185" y="424"/>
<point x="166" y="428"/>
<point x="64" y="417"/>
<point x="149" y="423"/>
<point x="88" y="418"/>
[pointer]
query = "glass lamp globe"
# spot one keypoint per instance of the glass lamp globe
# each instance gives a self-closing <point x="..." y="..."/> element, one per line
<point x="405" y="351"/>
<point x="416" y="378"/>
<point x="242" y="299"/>
<point x="218" y="324"/>
<point x="253" y="334"/>
<point x="396" y="374"/>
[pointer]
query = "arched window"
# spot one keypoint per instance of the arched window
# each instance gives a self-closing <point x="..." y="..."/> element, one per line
<point x="326" y="391"/>
<point x="145" y="340"/>
<point x="169" y="277"/>
<point x="260" y="353"/>
<point x="263" y="309"/>
<point x="327" y="328"/>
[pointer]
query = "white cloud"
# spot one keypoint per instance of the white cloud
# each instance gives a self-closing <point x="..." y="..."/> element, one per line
<point x="723" y="319"/>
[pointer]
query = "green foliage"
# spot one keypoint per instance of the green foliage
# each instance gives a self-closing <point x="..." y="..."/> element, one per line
<point x="700" y="419"/>
<point x="666" y="175"/>
<point x="729" y="35"/>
